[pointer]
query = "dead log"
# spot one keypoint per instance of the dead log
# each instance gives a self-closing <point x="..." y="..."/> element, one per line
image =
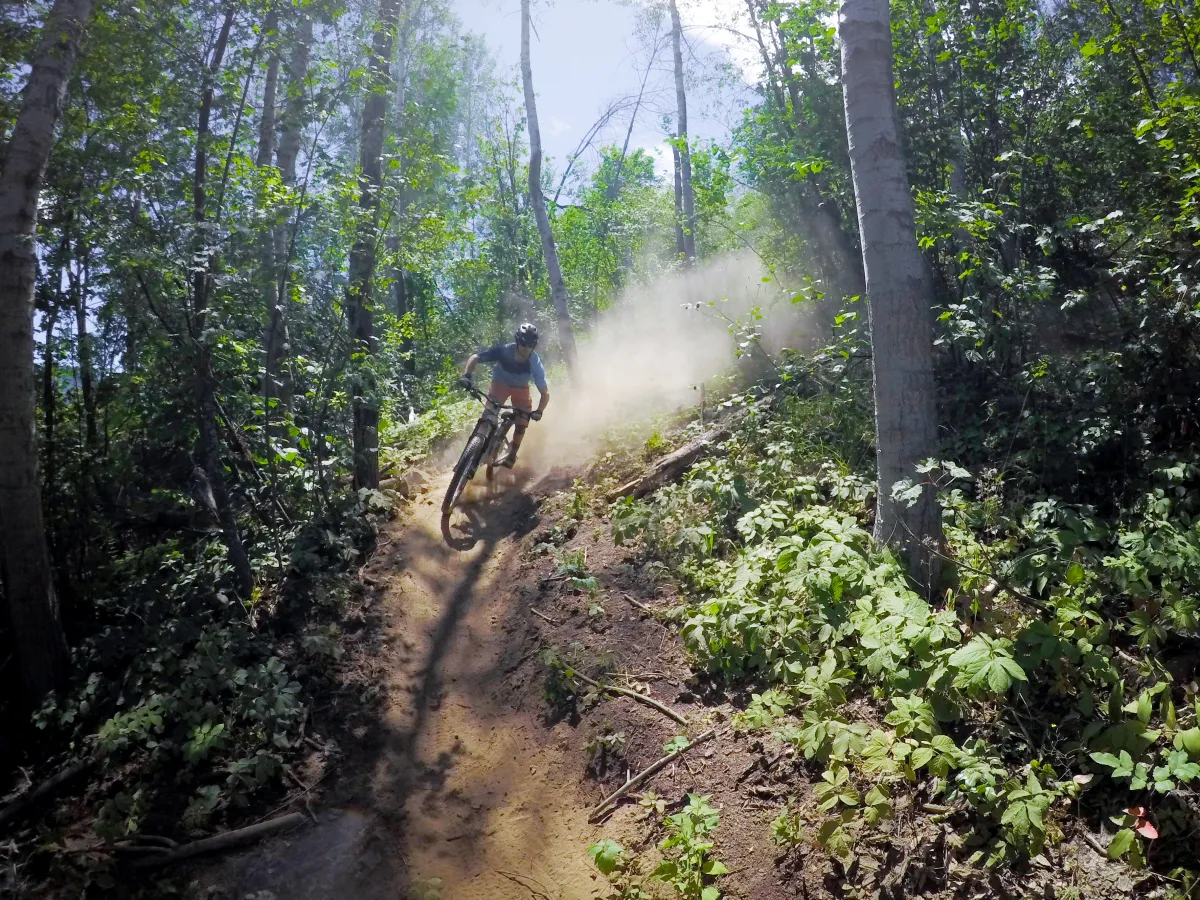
<point x="223" y="841"/>
<point x="672" y="466"/>
<point x="31" y="797"/>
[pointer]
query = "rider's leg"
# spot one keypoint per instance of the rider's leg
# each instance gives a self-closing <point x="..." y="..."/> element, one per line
<point x="499" y="391"/>
<point x="521" y="399"/>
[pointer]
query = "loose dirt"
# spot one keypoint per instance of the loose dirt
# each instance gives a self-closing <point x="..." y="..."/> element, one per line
<point x="462" y="781"/>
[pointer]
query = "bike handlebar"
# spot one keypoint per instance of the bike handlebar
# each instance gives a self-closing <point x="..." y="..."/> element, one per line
<point x="487" y="399"/>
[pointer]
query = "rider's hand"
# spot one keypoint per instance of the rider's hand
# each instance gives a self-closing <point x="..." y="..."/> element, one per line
<point x="536" y="415"/>
<point x="466" y="382"/>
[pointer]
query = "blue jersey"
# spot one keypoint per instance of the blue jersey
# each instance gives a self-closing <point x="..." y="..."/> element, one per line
<point x="509" y="370"/>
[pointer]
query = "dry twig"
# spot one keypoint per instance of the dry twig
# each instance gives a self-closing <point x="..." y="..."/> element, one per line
<point x="603" y="807"/>
<point x="641" y="698"/>
<point x="542" y="615"/>
<point x="642" y="606"/>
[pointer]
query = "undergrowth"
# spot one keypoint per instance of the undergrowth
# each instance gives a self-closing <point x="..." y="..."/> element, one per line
<point x="194" y="703"/>
<point x="1048" y="692"/>
<point x="688" y="866"/>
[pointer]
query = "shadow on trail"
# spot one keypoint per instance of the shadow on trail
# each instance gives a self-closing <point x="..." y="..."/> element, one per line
<point x="491" y="518"/>
<point x="416" y="784"/>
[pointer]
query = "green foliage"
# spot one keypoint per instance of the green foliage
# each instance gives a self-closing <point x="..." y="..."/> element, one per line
<point x="792" y="594"/>
<point x="788" y="828"/>
<point x="608" y="856"/>
<point x="689" y="866"/>
<point x="622" y="871"/>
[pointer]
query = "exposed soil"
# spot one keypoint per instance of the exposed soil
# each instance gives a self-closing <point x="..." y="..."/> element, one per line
<point x="467" y="773"/>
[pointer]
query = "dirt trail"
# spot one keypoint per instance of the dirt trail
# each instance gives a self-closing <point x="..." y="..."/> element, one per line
<point x="467" y="784"/>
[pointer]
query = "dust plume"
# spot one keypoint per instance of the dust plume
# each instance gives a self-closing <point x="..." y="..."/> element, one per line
<point x="649" y="353"/>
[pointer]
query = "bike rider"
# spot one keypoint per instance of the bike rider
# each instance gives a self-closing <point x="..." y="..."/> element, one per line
<point x="513" y="366"/>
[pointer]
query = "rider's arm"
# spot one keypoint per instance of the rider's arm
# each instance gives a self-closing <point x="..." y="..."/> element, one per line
<point x="472" y="362"/>
<point x="539" y="379"/>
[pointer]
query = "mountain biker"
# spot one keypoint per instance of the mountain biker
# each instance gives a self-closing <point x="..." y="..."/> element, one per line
<point x="513" y="366"/>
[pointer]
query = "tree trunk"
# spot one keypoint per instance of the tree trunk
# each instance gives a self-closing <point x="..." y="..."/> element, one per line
<point x="558" y="287"/>
<point x="212" y="485"/>
<point x="266" y="131"/>
<point x="295" y="106"/>
<point x="684" y="148"/>
<point x="24" y="560"/>
<point x="899" y="292"/>
<point x="680" y="241"/>
<point x="49" y="410"/>
<point x="359" y="304"/>
<point x="263" y="158"/>
<point x="79" y="285"/>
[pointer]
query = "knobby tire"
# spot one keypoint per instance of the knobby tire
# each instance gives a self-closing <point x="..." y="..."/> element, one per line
<point x="464" y="470"/>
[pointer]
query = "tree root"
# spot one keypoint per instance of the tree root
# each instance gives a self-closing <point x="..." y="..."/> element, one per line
<point x="43" y="790"/>
<point x="224" y="841"/>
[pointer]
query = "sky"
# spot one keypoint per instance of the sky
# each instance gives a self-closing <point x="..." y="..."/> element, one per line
<point x="585" y="54"/>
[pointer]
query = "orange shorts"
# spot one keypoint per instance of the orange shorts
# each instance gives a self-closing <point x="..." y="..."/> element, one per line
<point x="518" y="396"/>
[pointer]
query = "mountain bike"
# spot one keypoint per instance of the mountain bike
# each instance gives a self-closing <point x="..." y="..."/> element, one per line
<point x="489" y="441"/>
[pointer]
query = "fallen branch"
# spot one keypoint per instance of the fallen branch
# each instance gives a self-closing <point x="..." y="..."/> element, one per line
<point x="672" y="466"/>
<point x="1094" y="844"/>
<point x="43" y="790"/>
<point x="542" y="615"/>
<point x="642" y="606"/>
<point x="641" y="698"/>
<point x="145" y="841"/>
<point x="602" y="809"/>
<point x="223" y="841"/>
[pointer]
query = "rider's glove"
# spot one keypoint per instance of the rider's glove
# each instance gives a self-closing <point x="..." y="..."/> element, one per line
<point x="536" y="415"/>
<point x="466" y="382"/>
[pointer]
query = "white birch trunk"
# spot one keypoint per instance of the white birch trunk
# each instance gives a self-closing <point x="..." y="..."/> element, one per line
<point x="558" y="287"/>
<point x="24" y="560"/>
<point x="684" y="167"/>
<point x="899" y="289"/>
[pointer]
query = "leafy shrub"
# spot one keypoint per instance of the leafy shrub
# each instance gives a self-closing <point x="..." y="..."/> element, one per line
<point x="787" y="591"/>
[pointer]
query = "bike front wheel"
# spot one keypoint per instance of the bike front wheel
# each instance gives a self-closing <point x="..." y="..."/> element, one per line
<point x="464" y="471"/>
<point x="500" y="446"/>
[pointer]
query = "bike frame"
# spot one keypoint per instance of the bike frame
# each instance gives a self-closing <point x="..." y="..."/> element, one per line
<point x="493" y="427"/>
<point x="496" y="418"/>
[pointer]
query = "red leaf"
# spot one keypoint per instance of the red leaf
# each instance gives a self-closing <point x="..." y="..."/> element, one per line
<point x="1146" y="830"/>
<point x="1136" y="811"/>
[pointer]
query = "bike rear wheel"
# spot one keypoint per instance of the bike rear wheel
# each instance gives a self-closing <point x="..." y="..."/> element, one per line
<point x="464" y="470"/>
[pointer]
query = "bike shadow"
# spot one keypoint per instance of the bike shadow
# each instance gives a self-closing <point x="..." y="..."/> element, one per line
<point x="490" y="518"/>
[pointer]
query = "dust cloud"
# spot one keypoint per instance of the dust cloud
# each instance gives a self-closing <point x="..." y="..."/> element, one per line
<point x="651" y="351"/>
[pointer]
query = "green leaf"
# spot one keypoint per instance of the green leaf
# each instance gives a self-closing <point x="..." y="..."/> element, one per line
<point x="920" y="757"/>
<point x="710" y="893"/>
<point x="1106" y="759"/>
<point x="1145" y="708"/>
<point x="1190" y="741"/>
<point x="1120" y="843"/>
<point x="1074" y="574"/>
<point x="608" y="856"/>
